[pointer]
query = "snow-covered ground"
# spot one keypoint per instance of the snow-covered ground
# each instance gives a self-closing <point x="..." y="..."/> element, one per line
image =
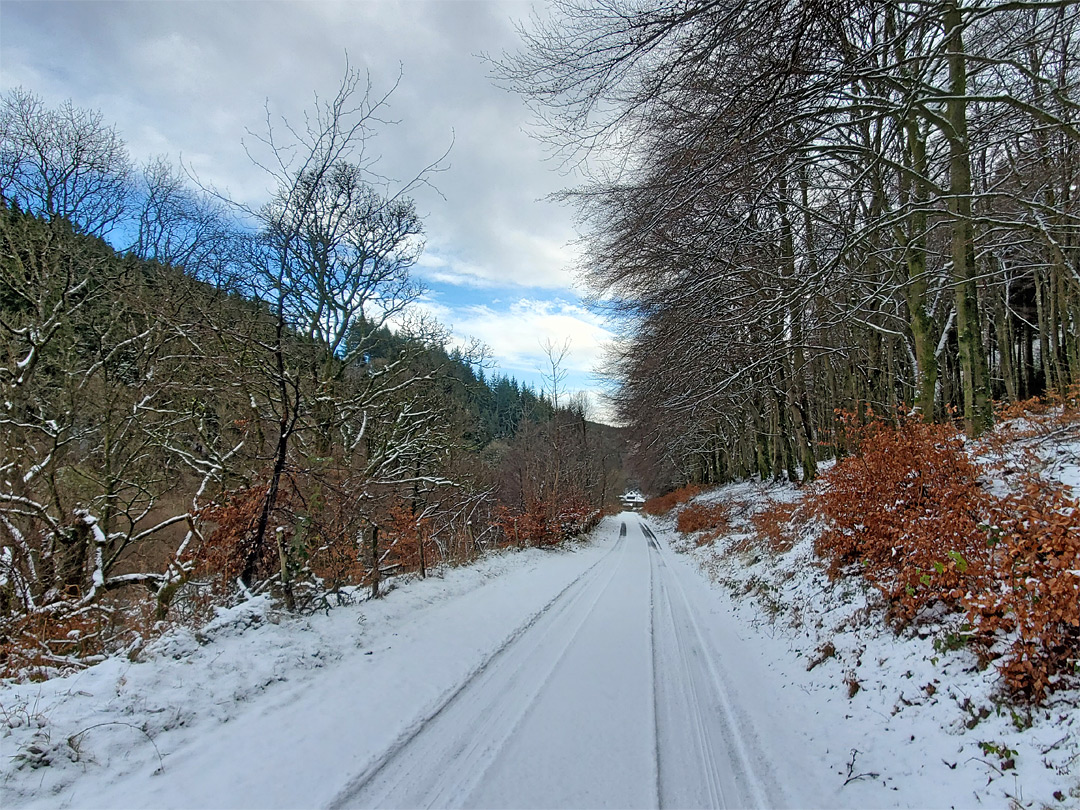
<point x="617" y="695"/>
<point x="912" y="720"/>
<point x="590" y="677"/>
<point x="609" y="674"/>
<point x="262" y="709"/>
<point x="908" y="721"/>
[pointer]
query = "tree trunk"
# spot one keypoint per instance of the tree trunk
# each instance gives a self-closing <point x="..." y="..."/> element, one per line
<point x="283" y="560"/>
<point x="1004" y="335"/>
<point x="281" y="454"/>
<point x="914" y="242"/>
<point x="978" y="415"/>
<point x="373" y="550"/>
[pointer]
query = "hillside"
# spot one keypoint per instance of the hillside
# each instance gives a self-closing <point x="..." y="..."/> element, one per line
<point x="927" y="684"/>
<point x="164" y="438"/>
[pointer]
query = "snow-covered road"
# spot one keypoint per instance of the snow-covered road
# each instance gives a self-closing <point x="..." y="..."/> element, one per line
<point x="607" y="675"/>
<point x="608" y="697"/>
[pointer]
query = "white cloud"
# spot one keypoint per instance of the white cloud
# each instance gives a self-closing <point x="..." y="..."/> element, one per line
<point x="518" y="333"/>
<point x="190" y="78"/>
<point x="522" y="260"/>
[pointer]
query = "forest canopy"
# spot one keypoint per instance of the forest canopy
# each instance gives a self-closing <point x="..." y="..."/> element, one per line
<point x="803" y="209"/>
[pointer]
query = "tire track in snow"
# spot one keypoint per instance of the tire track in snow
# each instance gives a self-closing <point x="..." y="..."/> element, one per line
<point x="472" y="748"/>
<point x="657" y="759"/>
<point x="483" y="755"/>
<point x="681" y="709"/>
<point x="692" y="697"/>
<point x="431" y="765"/>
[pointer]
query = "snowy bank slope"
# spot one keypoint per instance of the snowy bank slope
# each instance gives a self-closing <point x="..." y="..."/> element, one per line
<point x="909" y="721"/>
<point x="271" y="711"/>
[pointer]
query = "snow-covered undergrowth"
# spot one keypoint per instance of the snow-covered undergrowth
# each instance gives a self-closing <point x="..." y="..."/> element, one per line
<point x="196" y="700"/>
<point x="918" y="706"/>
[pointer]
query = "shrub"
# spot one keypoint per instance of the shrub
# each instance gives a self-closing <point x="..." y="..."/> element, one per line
<point x="525" y="527"/>
<point x="541" y="524"/>
<point x="576" y="515"/>
<point x="40" y="645"/>
<point x="1035" y="588"/>
<point x="697" y="516"/>
<point x="1061" y="407"/>
<point x="772" y="526"/>
<point x="221" y="555"/>
<point x="665" y="503"/>
<point x="907" y="510"/>
<point x="410" y="546"/>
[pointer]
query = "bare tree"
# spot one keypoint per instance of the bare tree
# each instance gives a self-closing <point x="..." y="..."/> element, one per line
<point x="62" y="162"/>
<point x="802" y="208"/>
<point x="178" y="225"/>
<point x="335" y="249"/>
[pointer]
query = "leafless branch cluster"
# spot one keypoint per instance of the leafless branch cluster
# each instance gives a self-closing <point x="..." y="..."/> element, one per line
<point x="799" y="208"/>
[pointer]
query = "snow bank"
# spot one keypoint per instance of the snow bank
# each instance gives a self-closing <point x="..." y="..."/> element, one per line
<point x="260" y="708"/>
<point x="912" y="720"/>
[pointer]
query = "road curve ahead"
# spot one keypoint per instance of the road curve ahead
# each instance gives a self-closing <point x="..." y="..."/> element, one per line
<point x="608" y="697"/>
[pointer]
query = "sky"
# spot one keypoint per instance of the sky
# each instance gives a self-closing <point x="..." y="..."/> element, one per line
<point x="192" y="80"/>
